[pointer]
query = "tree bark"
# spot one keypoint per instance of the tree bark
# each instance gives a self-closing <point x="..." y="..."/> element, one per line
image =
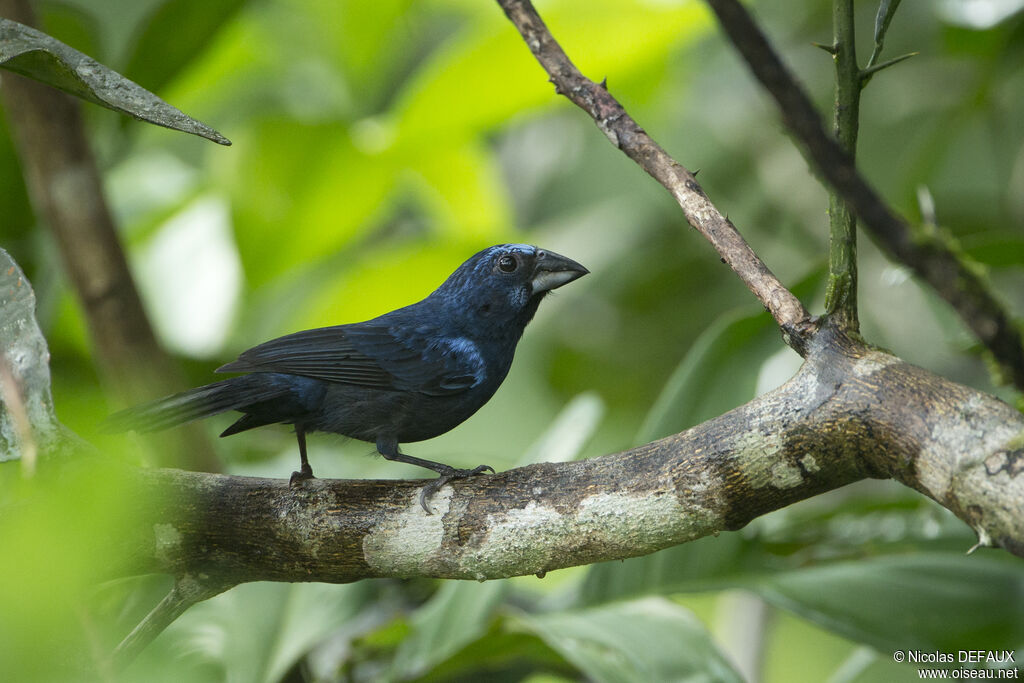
<point x="851" y="412"/>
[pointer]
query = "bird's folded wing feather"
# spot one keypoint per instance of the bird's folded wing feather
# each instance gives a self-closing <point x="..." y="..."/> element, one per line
<point x="382" y="356"/>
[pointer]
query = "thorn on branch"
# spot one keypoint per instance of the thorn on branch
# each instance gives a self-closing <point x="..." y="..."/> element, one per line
<point x="831" y="49"/>
<point x="868" y="72"/>
<point x="604" y="84"/>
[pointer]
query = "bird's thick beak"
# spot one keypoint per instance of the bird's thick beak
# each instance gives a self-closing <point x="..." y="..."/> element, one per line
<point x="554" y="270"/>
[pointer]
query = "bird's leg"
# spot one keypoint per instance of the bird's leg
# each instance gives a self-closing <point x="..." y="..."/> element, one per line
<point x="389" y="449"/>
<point x="305" y="471"/>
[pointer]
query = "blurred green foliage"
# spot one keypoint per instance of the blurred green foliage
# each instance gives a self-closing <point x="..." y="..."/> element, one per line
<point x="376" y="146"/>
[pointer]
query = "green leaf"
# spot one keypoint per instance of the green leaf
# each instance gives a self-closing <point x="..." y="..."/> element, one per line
<point x="926" y="601"/>
<point x="455" y="616"/>
<point x="720" y="370"/>
<point x="31" y="53"/>
<point x="460" y="90"/>
<point x="312" y="179"/>
<point x="569" y="432"/>
<point x="68" y="527"/>
<point x="718" y="373"/>
<point x="645" y="640"/>
<point x="502" y="656"/>
<point x="162" y="49"/>
<point x="365" y="35"/>
<point x="993" y="248"/>
<point x="463" y="191"/>
<point x="256" y="632"/>
<point x="710" y="563"/>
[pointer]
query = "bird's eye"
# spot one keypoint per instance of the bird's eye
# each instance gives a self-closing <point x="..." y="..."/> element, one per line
<point x="507" y="264"/>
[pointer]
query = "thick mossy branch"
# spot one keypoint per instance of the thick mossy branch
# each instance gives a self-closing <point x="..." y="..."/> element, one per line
<point x="850" y="413"/>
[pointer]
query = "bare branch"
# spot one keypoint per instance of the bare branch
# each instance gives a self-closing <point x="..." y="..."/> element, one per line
<point x="850" y="413"/>
<point x="928" y="255"/>
<point x="623" y="132"/>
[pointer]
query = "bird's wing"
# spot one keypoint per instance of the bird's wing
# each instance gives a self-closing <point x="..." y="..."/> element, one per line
<point x="372" y="355"/>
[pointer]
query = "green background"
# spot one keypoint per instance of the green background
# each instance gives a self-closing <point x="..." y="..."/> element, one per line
<point x="376" y="146"/>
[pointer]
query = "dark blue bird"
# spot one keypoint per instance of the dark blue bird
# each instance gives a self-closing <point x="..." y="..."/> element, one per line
<point x="408" y="375"/>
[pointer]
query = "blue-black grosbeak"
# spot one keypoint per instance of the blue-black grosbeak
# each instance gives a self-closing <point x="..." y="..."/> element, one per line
<point x="408" y="375"/>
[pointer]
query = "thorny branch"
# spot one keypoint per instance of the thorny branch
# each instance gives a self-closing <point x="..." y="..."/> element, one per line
<point x="929" y="255"/>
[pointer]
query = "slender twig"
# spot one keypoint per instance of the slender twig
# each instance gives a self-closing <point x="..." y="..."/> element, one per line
<point x="841" y="293"/>
<point x="623" y="132"/>
<point x="185" y="592"/>
<point x="930" y="257"/>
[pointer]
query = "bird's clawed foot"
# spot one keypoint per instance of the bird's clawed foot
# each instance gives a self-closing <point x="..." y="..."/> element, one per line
<point x="304" y="473"/>
<point x="448" y="474"/>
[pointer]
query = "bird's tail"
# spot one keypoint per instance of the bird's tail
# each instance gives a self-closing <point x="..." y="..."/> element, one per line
<point x="211" y="399"/>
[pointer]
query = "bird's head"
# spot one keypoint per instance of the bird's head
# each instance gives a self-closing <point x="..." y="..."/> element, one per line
<point x="505" y="283"/>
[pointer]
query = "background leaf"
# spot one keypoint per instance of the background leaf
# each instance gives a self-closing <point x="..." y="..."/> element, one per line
<point x="458" y="613"/>
<point x="32" y="53"/>
<point x="932" y="602"/>
<point x="645" y="640"/>
<point x="720" y="370"/>
<point x="162" y="49"/>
